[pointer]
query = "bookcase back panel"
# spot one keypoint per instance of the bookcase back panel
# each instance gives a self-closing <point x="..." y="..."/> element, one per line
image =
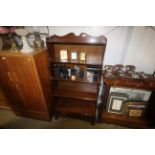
<point x="94" y="53"/>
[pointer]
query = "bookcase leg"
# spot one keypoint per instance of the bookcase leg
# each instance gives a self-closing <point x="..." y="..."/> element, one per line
<point x="56" y="116"/>
<point x="92" y="122"/>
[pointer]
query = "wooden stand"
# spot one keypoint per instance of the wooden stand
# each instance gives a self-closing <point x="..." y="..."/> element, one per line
<point x="76" y="97"/>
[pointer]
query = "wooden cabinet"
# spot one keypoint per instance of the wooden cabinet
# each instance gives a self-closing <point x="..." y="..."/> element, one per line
<point x="134" y="84"/>
<point x="25" y="82"/>
<point x="3" y="101"/>
<point x="76" y="81"/>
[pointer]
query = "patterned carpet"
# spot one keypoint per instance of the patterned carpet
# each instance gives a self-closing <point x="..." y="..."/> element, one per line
<point x="8" y="120"/>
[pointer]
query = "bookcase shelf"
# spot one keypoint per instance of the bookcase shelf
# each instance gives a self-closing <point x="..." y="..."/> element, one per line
<point x="75" y="106"/>
<point x="76" y="95"/>
<point x="58" y="61"/>
<point x="77" y="80"/>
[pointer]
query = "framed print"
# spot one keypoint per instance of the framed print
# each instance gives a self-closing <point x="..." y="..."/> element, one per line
<point x="63" y="55"/>
<point x="116" y="102"/>
<point x="133" y="94"/>
<point x="82" y="56"/>
<point x="73" y="55"/>
<point x="135" y="112"/>
<point x="135" y="109"/>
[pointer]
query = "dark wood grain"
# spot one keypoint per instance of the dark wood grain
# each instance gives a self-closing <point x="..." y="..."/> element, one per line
<point x="78" y="86"/>
<point x="75" y="94"/>
<point x="72" y="106"/>
<point x="77" y="80"/>
<point x="83" y="38"/>
<point x="8" y="85"/>
<point x="42" y="65"/>
<point x="3" y="101"/>
<point x="146" y="84"/>
<point x="126" y="121"/>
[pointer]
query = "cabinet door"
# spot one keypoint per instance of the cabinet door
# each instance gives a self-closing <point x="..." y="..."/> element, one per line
<point x="3" y="101"/>
<point x="24" y="73"/>
<point x="8" y="85"/>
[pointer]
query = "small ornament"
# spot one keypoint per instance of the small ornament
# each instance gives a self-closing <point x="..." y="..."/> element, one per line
<point x="26" y="48"/>
<point x="38" y="43"/>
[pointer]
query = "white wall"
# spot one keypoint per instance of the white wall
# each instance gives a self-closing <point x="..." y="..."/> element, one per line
<point x="141" y="50"/>
<point x="125" y="45"/>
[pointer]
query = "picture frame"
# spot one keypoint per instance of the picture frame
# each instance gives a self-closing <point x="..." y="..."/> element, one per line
<point x="63" y="55"/>
<point x="74" y="56"/>
<point x="82" y="56"/>
<point x="133" y="94"/>
<point x="116" y="102"/>
<point x="135" y="109"/>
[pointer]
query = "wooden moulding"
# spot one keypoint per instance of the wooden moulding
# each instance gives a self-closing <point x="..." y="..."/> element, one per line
<point x="83" y="38"/>
<point x="146" y="84"/>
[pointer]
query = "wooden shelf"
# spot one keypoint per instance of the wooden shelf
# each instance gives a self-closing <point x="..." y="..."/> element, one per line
<point x="77" y="80"/>
<point x="58" y="61"/>
<point x="72" y="106"/>
<point x="145" y="84"/>
<point x="124" y="120"/>
<point x="75" y="94"/>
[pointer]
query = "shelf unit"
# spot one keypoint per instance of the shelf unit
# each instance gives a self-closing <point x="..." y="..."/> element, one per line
<point x="78" y="96"/>
<point x="134" y="122"/>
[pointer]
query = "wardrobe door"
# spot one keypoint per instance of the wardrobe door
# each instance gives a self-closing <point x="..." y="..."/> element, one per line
<point x="9" y="86"/>
<point x="25" y="75"/>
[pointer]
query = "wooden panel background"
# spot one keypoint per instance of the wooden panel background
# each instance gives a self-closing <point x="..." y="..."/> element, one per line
<point x="94" y="54"/>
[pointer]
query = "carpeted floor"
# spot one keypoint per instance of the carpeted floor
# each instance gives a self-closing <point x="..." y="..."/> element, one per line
<point x="8" y="120"/>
